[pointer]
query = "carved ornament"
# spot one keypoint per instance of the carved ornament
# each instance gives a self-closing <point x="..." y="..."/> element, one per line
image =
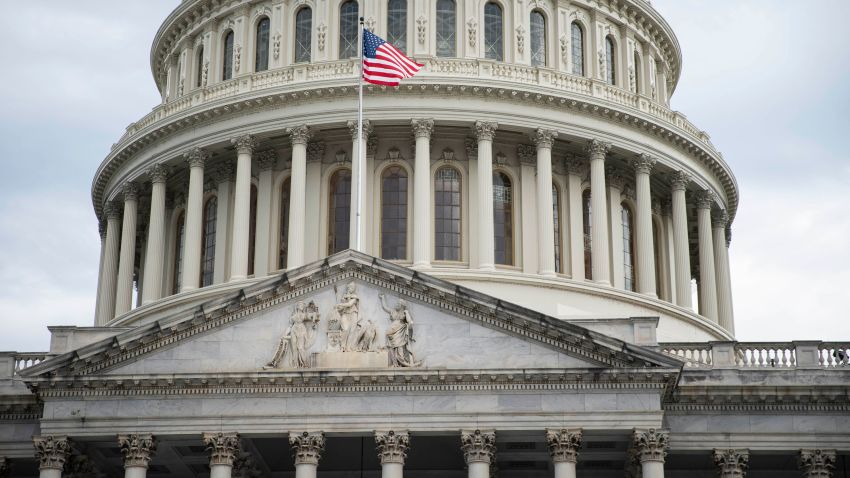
<point x="223" y="447"/>
<point x="643" y="164"/>
<point x="130" y="190"/>
<point x="472" y="31"/>
<point x="422" y="128"/>
<point x="527" y="154"/>
<point x="720" y="219"/>
<point x="421" y="29"/>
<point x="245" y="144"/>
<point x="392" y="446"/>
<point x="704" y="199"/>
<point x="650" y="445"/>
<point x="137" y="450"/>
<point x="597" y="149"/>
<point x="680" y="180"/>
<point x="158" y="173"/>
<point x="564" y="444"/>
<point x="321" y="34"/>
<point x="307" y="447"/>
<point x="485" y="130"/>
<point x="732" y="463"/>
<point x="51" y="451"/>
<point x="520" y="38"/>
<point x="315" y="151"/>
<point x="816" y="463"/>
<point x="478" y="446"/>
<point x="544" y="138"/>
<point x="196" y="157"/>
<point x="300" y="134"/>
<point x="266" y="159"/>
<point x="367" y="129"/>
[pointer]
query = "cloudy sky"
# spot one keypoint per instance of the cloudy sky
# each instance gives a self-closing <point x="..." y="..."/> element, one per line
<point x="766" y="78"/>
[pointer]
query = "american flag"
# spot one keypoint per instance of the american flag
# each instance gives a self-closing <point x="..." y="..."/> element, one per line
<point x="384" y="64"/>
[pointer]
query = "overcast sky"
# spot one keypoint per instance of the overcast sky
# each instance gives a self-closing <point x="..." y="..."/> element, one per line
<point x="768" y="80"/>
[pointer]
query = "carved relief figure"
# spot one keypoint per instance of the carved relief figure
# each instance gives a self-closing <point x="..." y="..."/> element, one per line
<point x="358" y="334"/>
<point x="400" y="334"/>
<point x="295" y="344"/>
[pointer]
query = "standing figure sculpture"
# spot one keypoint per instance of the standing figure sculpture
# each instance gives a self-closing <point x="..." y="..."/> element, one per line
<point x="358" y="334"/>
<point x="295" y="344"/>
<point x="400" y="334"/>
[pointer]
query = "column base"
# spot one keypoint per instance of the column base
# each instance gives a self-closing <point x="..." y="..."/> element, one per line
<point x="421" y="265"/>
<point x="548" y="274"/>
<point x="487" y="267"/>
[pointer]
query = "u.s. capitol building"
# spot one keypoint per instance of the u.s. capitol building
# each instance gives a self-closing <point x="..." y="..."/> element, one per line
<point x="541" y="288"/>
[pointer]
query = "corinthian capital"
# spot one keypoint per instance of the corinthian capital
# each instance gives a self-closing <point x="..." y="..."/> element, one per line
<point x="597" y="149"/>
<point x="137" y="449"/>
<point x="650" y="445"/>
<point x="196" y="157"/>
<point x="478" y="446"/>
<point x="564" y="444"/>
<point x="130" y="191"/>
<point x="315" y="151"/>
<point x="544" y="138"/>
<point x="245" y="144"/>
<point x="113" y="210"/>
<point x="300" y="134"/>
<point x="225" y="172"/>
<point x="485" y="130"/>
<point x="720" y="219"/>
<point x="158" y="173"/>
<point x="367" y="129"/>
<point x="704" y="199"/>
<point x="51" y="451"/>
<point x="615" y="179"/>
<point x="422" y="128"/>
<point x="527" y="154"/>
<point x="223" y="447"/>
<point x="574" y="164"/>
<point x="679" y="181"/>
<point x="643" y="164"/>
<point x="266" y="159"/>
<point x="732" y="463"/>
<point x="817" y="463"/>
<point x="307" y="447"/>
<point x="392" y="447"/>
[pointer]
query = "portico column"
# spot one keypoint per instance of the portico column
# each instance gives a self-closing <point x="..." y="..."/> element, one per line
<point x="616" y="184"/>
<point x="601" y="258"/>
<point x="732" y="463"/>
<point x="262" y="239"/>
<point x="707" y="277"/>
<point x="479" y="449"/>
<point x="299" y="136"/>
<point x="679" y="182"/>
<point x="650" y="448"/>
<point x="51" y="453"/>
<point x="307" y="449"/>
<point x="241" y="208"/>
<point x="126" y="264"/>
<point x="643" y="165"/>
<point x="563" y="447"/>
<point x="816" y="463"/>
<point x="154" y="256"/>
<point x="224" y="175"/>
<point x="106" y="302"/>
<point x="357" y="222"/>
<point x="575" y="169"/>
<point x="422" y="129"/>
<point x="484" y="133"/>
<point x="224" y="448"/>
<point x="101" y="230"/>
<point x="191" y="275"/>
<point x="137" y="451"/>
<point x="392" y="450"/>
<point x="721" y="264"/>
<point x="543" y="140"/>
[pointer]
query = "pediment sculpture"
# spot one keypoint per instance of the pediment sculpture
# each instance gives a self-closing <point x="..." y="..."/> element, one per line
<point x="296" y="342"/>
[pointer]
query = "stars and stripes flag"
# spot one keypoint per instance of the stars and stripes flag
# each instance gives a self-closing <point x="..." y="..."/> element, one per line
<point x="384" y="64"/>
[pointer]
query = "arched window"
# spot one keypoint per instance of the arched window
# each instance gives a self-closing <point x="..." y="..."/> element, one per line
<point x="628" y="246"/>
<point x="283" y="241"/>
<point x="252" y="230"/>
<point x="538" y="39"/>
<point x="637" y="72"/>
<point x="199" y="71"/>
<point x="447" y="214"/>
<point x="178" y="253"/>
<point x="348" y="30"/>
<point x="577" y="48"/>
<point x="208" y="251"/>
<point x="303" y="34"/>
<point x="610" y="64"/>
<point x="446" y="28"/>
<point x="394" y="213"/>
<point x="397" y="24"/>
<point x="556" y="215"/>
<point x="503" y="232"/>
<point x="227" y="57"/>
<point x="339" y="215"/>
<point x="493" y="32"/>
<point x="587" y="218"/>
<point x="261" y="60"/>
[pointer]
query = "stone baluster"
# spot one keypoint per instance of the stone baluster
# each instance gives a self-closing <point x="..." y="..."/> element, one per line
<point x="51" y="452"/>
<point x="575" y="170"/>
<point x="679" y="183"/>
<point x="106" y="306"/>
<point x="225" y="174"/>
<point x="422" y="237"/>
<point x="127" y="257"/>
<point x="725" y="313"/>
<point x="262" y="239"/>
<point x="650" y="448"/>
<point x="299" y="136"/>
<point x="731" y="463"/>
<point x="563" y="447"/>
<point x="224" y="448"/>
<point x="155" y="254"/>
<point x="137" y="451"/>
<point x="816" y="463"/>
<point x="645" y="253"/>
<point x="190" y="278"/>
<point x="708" y="279"/>
<point x="484" y="134"/>
<point x="392" y="450"/>
<point x="600" y="254"/>
<point x="479" y="450"/>
<point x="240" y="235"/>
<point x="307" y="449"/>
<point x="544" y="139"/>
<point x="357" y="234"/>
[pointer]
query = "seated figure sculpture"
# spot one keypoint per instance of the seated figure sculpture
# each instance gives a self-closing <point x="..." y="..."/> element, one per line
<point x="358" y="334"/>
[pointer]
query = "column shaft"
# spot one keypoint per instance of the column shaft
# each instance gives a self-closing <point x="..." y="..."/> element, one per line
<point x="263" y="236"/>
<point x="297" y="198"/>
<point x="49" y="473"/>
<point x="615" y="185"/>
<point x="241" y="208"/>
<point x="224" y="178"/>
<point x="708" y="279"/>
<point x="652" y="469"/>
<point x="544" y="139"/>
<point x="155" y="255"/>
<point x="135" y="472"/>
<point x="724" y="281"/>
<point x="100" y="278"/>
<point x="479" y="470"/>
<point x="600" y="254"/>
<point x="359" y="208"/>
<point x="422" y="237"/>
<point x="126" y="263"/>
<point x="486" y="245"/>
<point x="680" y="241"/>
<point x="576" y="221"/>
<point x="565" y="469"/>
<point x="645" y="259"/>
<point x="392" y="470"/>
<point x="190" y="278"/>
<point x="221" y="471"/>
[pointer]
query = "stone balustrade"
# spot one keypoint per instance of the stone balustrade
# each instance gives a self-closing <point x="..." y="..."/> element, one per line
<point x="760" y="355"/>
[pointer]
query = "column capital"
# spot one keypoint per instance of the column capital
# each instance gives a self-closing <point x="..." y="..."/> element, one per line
<point x="527" y="154"/>
<point x="544" y="138"/>
<point x="720" y="219"/>
<point x="130" y="190"/>
<point x="564" y="444"/>
<point x="704" y="199"/>
<point x="225" y="172"/>
<point x="816" y="463"/>
<point x="732" y="462"/>
<point x="575" y="164"/>
<point x="196" y="157"/>
<point x="307" y="447"/>
<point x="266" y="159"/>
<point x="471" y="146"/>
<point x="679" y="180"/>
<point x="478" y="446"/>
<point x="224" y="448"/>
<point x="392" y="446"/>
<point x="597" y="149"/>
<point x="315" y="151"/>
<point x="485" y="130"/>
<point x="367" y="129"/>
<point x="614" y="178"/>
<point x="300" y="134"/>
<point x="51" y="451"/>
<point x="643" y="163"/>
<point x="113" y="210"/>
<point x="650" y="445"/>
<point x="245" y="144"/>
<point x="422" y="128"/>
<point x="158" y="173"/>
<point x="137" y="449"/>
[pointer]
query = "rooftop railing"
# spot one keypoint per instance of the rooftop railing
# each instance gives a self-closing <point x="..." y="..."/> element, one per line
<point x="760" y="355"/>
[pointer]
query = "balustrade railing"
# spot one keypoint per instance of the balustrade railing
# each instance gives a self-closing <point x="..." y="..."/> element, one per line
<point x="834" y="354"/>
<point x="760" y="355"/>
<point x="694" y="355"/>
<point x="11" y="363"/>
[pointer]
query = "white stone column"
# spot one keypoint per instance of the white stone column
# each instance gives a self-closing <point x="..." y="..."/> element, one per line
<point x="484" y="134"/>
<point x="263" y="237"/>
<point x="356" y="186"/>
<point x="616" y="184"/>
<point x="650" y="448"/>
<point x="528" y="232"/>
<point x="307" y="449"/>
<point x="479" y="450"/>
<point x="679" y="183"/>
<point x="544" y="139"/>
<point x="299" y="136"/>
<point x="105" y="310"/>
<point x="224" y="448"/>
<point x="126" y="262"/>
<point x="645" y="253"/>
<point x="707" y="277"/>
<point x="51" y="452"/>
<point x="190" y="278"/>
<point x="137" y="451"/>
<point x="225" y="174"/>
<point x="599" y="240"/>
<point x="241" y="207"/>
<point x="575" y="170"/>
<point x="563" y="447"/>
<point x="155" y="255"/>
<point x="101" y="230"/>
<point x="392" y="450"/>
<point x="422" y="236"/>
<point x="816" y="463"/>
<point x="721" y="265"/>
<point x="731" y="463"/>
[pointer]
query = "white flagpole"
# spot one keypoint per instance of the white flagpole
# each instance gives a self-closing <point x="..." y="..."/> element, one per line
<point x="358" y="240"/>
